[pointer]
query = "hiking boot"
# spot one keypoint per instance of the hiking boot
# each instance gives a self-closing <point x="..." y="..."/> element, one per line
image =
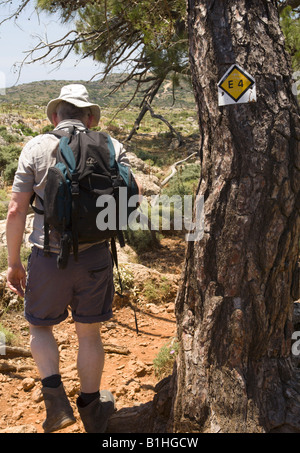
<point x="95" y="415"/>
<point x="58" y="409"/>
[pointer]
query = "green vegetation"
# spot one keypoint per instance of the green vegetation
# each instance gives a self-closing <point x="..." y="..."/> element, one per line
<point x="290" y="23"/>
<point x="27" y="131"/>
<point x="126" y="276"/>
<point x="9" y="155"/>
<point x="31" y="98"/>
<point x="164" y="361"/>
<point x="151" y="35"/>
<point x="25" y="252"/>
<point x="4" y="200"/>
<point x="141" y="240"/>
<point x="3" y="259"/>
<point x="9" y="138"/>
<point x="10" y="338"/>
<point x="184" y="182"/>
<point x="156" y="292"/>
<point x="153" y="149"/>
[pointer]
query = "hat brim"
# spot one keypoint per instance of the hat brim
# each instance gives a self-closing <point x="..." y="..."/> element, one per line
<point x="95" y="109"/>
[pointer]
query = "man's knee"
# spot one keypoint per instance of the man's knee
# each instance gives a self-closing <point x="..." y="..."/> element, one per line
<point x="39" y="330"/>
<point x="85" y="330"/>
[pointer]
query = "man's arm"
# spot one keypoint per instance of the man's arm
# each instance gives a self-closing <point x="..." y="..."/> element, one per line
<point x="15" y="225"/>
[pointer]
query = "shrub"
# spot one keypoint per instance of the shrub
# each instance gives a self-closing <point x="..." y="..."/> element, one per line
<point x="9" y="138"/>
<point x="25" y="130"/>
<point x="184" y="182"/>
<point x="11" y="339"/>
<point x="10" y="171"/>
<point x="163" y="362"/>
<point x="9" y="155"/>
<point x="47" y="128"/>
<point x="126" y="276"/>
<point x="156" y="292"/>
<point x="3" y="259"/>
<point x="4" y="200"/>
<point x="141" y="240"/>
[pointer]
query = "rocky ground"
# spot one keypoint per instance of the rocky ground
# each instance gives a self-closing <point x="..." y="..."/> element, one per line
<point x="128" y="372"/>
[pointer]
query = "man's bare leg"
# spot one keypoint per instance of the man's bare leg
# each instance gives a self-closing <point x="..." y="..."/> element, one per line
<point x="94" y="406"/>
<point x="90" y="359"/>
<point x="45" y="353"/>
<point x="44" y="350"/>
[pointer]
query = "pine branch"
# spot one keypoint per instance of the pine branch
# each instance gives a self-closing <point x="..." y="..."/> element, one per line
<point x="294" y="4"/>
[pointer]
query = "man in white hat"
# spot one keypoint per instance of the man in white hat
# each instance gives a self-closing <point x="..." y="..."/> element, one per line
<point x="75" y="95"/>
<point x="50" y="291"/>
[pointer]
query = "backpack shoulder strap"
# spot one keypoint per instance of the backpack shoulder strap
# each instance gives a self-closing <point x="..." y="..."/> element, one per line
<point x="112" y="153"/>
<point x="67" y="153"/>
<point x="114" y="174"/>
<point x="66" y="156"/>
<point x="35" y="209"/>
<point x="59" y="133"/>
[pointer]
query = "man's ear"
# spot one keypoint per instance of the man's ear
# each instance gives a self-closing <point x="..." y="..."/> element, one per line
<point x="90" y="121"/>
<point x="54" y="119"/>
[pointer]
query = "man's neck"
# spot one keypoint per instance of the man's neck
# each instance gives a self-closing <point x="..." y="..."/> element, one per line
<point x="71" y="122"/>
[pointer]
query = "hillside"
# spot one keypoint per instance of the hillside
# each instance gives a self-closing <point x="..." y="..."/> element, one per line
<point x="39" y="93"/>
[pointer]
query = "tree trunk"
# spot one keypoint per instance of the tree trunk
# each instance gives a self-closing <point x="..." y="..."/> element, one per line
<point x="234" y="308"/>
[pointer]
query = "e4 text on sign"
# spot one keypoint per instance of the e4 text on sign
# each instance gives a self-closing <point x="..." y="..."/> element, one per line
<point x="236" y="86"/>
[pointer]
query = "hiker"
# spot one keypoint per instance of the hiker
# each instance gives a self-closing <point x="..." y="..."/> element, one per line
<point x="85" y="285"/>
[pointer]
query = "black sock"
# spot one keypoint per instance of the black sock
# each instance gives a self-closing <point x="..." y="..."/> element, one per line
<point x="53" y="381"/>
<point x="86" y="398"/>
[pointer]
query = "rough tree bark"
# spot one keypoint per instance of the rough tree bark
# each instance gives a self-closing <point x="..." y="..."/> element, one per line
<point x="234" y="309"/>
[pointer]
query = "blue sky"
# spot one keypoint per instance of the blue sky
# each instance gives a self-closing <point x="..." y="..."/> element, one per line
<point x="16" y="39"/>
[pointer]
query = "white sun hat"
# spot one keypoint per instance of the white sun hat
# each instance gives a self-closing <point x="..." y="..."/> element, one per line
<point x="75" y="94"/>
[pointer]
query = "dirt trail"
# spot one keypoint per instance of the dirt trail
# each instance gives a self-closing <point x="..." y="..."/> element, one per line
<point x="128" y="370"/>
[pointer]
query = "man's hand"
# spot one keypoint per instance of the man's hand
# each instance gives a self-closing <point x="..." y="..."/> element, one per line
<point x="15" y="225"/>
<point x="16" y="279"/>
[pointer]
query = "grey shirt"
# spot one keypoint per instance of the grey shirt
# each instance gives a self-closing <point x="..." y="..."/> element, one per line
<point x="35" y="159"/>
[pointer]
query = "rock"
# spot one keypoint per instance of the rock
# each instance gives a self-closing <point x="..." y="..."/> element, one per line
<point x="153" y="309"/>
<point x="136" y="163"/>
<point x="120" y="391"/>
<point x="28" y="384"/>
<point x="62" y="338"/>
<point x="138" y="368"/>
<point x="27" y="232"/>
<point x="2" y="141"/>
<point x="7" y="367"/>
<point x="170" y="307"/>
<point x="72" y="388"/>
<point x="18" y="414"/>
<point x="13" y="303"/>
<point x="2" y="232"/>
<point x="68" y="369"/>
<point x="37" y="395"/>
<point x="150" y="184"/>
<point x="21" y="429"/>
<point x="3" y="279"/>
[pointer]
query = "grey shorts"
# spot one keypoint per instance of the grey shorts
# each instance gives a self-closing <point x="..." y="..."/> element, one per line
<point x="86" y="286"/>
